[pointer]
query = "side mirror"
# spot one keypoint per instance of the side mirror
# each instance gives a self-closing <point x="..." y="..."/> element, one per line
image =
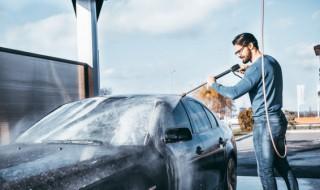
<point x="177" y="134"/>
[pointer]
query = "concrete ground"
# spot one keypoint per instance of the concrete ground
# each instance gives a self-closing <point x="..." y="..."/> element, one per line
<point x="253" y="183"/>
<point x="303" y="156"/>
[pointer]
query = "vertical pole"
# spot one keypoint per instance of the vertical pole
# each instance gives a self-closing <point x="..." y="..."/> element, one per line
<point x="87" y="38"/>
<point x="298" y="105"/>
<point x="318" y="97"/>
<point x="317" y="52"/>
<point x="318" y="106"/>
<point x="318" y="91"/>
<point x="298" y="100"/>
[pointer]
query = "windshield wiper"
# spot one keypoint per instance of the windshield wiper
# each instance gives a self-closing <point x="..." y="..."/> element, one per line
<point x="75" y="141"/>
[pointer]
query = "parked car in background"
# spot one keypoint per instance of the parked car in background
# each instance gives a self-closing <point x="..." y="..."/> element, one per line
<point x="163" y="142"/>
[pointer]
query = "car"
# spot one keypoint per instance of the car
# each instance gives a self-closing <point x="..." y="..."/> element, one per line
<point x="118" y="142"/>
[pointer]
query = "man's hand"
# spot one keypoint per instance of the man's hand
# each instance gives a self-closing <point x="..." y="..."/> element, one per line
<point x="243" y="68"/>
<point x="210" y="81"/>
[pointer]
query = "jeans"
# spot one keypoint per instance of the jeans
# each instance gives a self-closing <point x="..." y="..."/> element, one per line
<point x="266" y="157"/>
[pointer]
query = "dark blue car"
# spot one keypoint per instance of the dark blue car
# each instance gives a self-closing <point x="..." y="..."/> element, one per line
<point x="165" y="142"/>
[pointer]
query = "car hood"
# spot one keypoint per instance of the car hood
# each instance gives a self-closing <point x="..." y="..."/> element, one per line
<point x="26" y="164"/>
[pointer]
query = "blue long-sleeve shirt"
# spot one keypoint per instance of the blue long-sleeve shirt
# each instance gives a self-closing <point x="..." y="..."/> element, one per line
<point x="252" y="83"/>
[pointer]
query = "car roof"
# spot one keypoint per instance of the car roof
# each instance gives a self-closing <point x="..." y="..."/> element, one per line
<point x="171" y="99"/>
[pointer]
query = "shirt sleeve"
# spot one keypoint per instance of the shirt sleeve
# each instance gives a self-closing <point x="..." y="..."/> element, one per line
<point x="250" y="79"/>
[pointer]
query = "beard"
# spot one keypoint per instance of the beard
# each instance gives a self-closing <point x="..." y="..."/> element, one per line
<point x="246" y="58"/>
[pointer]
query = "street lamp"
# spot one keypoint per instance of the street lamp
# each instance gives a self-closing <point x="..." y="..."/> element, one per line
<point x="317" y="52"/>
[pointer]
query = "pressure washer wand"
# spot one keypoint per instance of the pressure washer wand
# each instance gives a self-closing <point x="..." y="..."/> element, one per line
<point x="232" y="69"/>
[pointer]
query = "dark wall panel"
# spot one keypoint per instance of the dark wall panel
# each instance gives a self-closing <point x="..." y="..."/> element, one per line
<point x="32" y="85"/>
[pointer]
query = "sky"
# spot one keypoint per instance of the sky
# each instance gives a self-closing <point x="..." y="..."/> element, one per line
<point x="171" y="46"/>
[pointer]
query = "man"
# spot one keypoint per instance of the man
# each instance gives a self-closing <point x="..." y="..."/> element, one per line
<point x="247" y="49"/>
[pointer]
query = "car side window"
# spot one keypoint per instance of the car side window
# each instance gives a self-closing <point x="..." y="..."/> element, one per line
<point x="198" y="116"/>
<point x="212" y="119"/>
<point x="180" y="117"/>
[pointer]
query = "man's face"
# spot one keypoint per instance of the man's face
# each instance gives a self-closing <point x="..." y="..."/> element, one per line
<point x="243" y="52"/>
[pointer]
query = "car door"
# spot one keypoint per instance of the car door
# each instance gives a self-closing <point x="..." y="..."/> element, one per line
<point x="216" y="140"/>
<point x="211" y="154"/>
<point x="177" y="118"/>
<point x="185" y="152"/>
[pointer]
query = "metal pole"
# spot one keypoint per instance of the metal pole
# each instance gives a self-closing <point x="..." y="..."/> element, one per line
<point x="196" y="88"/>
<point x="318" y="92"/>
<point x="88" y="38"/>
<point x="317" y="52"/>
<point x="298" y="104"/>
<point x="318" y="106"/>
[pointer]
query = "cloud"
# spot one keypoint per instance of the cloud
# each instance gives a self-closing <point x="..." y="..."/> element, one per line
<point x="54" y="36"/>
<point x="13" y="5"/>
<point x="21" y="6"/>
<point x="108" y="72"/>
<point x="2" y="13"/>
<point x="159" y="16"/>
<point x="301" y="49"/>
<point x="303" y="54"/>
<point x="270" y="3"/>
<point x="316" y="15"/>
<point x="284" y="23"/>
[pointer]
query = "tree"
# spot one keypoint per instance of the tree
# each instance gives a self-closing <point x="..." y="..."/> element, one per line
<point x="214" y="101"/>
<point x="291" y="116"/>
<point x="245" y="120"/>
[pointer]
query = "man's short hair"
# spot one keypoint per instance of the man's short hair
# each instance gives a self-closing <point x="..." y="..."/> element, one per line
<point x="245" y="39"/>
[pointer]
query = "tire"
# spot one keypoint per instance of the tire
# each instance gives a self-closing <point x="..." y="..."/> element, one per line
<point x="230" y="182"/>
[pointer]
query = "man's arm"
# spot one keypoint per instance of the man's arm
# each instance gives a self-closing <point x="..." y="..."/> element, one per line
<point x="249" y="80"/>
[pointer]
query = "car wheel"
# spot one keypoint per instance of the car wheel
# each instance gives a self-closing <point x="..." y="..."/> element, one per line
<point x="231" y="175"/>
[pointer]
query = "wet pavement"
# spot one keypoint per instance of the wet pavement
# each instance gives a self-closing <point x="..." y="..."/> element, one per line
<point x="303" y="156"/>
<point x="253" y="183"/>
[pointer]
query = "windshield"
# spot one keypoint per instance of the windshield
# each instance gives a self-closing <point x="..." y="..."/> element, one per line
<point x="116" y="121"/>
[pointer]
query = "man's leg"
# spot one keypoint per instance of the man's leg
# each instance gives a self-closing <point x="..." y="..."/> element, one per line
<point x="281" y="164"/>
<point x="265" y="155"/>
<point x="285" y="171"/>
